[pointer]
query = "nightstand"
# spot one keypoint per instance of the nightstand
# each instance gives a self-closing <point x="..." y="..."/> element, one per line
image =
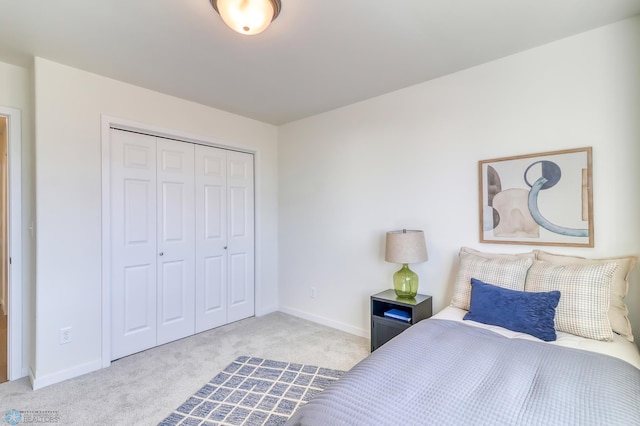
<point x="384" y="329"/>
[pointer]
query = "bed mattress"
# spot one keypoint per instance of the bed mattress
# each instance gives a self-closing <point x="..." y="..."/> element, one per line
<point x="620" y="347"/>
<point x="447" y="372"/>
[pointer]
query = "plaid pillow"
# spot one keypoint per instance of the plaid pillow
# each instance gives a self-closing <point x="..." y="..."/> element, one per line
<point x="505" y="272"/>
<point x="584" y="296"/>
<point x="618" y="312"/>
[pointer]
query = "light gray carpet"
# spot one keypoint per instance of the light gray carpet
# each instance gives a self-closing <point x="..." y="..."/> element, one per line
<point x="144" y="388"/>
<point x="253" y="392"/>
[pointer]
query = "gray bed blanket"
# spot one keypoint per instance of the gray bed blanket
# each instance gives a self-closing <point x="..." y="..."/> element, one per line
<point x="441" y="372"/>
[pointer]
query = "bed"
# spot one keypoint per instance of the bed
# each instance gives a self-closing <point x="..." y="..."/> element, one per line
<point x="449" y="370"/>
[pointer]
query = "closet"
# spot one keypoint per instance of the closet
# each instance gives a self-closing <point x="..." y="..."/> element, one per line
<point x="182" y="239"/>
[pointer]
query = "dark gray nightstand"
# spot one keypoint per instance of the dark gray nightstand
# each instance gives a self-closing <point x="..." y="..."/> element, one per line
<point x="384" y="329"/>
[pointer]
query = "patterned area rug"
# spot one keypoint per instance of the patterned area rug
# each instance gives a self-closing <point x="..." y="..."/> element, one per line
<point x="253" y="391"/>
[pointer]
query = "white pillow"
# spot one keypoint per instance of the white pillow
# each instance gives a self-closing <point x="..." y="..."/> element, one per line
<point x="512" y="256"/>
<point x="618" y="312"/>
<point x="584" y="295"/>
<point x="506" y="271"/>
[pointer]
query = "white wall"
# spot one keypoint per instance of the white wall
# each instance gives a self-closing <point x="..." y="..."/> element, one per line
<point x="408" y="159"/>
<point x="16" y="92"/>
<point x="69" y="104"/>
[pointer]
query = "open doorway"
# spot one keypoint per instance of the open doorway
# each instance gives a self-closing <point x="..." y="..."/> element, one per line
<point x="4" y="252"/>
<point x="12" y="363"/>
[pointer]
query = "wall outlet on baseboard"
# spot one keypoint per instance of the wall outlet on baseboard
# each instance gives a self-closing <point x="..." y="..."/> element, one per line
<point x="65" y="335"/>
<point x="313" y="293"/>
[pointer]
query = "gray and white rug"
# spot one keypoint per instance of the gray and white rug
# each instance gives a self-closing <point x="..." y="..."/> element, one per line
<point x="253" y="391"/>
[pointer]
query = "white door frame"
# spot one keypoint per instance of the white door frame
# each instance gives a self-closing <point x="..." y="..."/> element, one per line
<point x="16" y="369"/>
<point x="107" y="122"/>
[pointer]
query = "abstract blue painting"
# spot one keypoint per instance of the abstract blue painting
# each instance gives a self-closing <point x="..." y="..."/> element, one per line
<point x="540" y="199"/>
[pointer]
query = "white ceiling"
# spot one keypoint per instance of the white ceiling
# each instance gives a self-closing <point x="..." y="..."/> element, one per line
<point x="317" y="55"/>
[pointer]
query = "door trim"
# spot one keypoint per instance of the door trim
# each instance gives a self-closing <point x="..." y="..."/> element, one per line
<point x="108" y="122"/>
<point x="15" y="367"/>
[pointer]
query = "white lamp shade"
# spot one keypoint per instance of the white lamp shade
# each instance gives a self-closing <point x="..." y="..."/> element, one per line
<point x="405" y="246"/>
<point x="246" y="16"/>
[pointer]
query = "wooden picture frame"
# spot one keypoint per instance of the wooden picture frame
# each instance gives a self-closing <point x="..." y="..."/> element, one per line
<point x="537" y="199"/>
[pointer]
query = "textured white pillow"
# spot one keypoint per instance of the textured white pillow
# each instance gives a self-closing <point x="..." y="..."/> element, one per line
<point x="584" y="295"/>
<point x="507" y="271"/>
<point x="529" y="255"/>
<point x="618" y="312"/>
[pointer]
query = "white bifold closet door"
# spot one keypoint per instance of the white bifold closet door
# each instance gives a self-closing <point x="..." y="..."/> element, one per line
<point x="240" y="240"/>
<point x="133" y="243"/>
<point x="224" y="237"/>
<point x="176" y="240"/>
<point x="182" y="240"/>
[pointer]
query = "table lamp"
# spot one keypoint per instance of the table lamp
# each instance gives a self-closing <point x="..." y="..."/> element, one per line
<point x="405" y="247"/>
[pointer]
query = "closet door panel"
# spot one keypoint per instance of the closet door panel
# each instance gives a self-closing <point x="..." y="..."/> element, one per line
<point x="133" y="243"/>
<point x="176" y="236"/>
<point x="172" y="291"/>
<point x="240" y="241"/>
<point x="211" y="236"/>
<point x="138" y="293"/>
<point x="215" y="272"/>
<point x="238" y="267"/>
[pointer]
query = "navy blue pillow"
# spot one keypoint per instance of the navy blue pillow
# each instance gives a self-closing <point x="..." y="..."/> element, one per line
<point x="526" y="312"/>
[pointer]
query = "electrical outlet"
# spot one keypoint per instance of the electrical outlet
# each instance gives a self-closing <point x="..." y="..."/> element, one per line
<point x="65" y="335"/>
<point x="313" y="292"/>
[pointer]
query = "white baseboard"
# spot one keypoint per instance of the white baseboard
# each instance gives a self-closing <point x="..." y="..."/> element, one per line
<point x="50" y="379"/>
<point x="325" y="321"/>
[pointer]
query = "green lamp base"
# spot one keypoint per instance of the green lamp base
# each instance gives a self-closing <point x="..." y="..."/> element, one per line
<point x="405" y="283"/>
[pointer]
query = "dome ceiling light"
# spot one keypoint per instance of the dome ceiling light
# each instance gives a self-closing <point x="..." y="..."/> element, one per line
<point x="247" y="16"/>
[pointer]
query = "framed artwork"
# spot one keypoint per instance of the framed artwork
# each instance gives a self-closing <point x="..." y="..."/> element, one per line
<point x="538" y="199"/>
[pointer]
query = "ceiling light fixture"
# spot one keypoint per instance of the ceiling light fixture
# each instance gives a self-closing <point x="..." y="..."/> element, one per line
<point x="247" y="16"/>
